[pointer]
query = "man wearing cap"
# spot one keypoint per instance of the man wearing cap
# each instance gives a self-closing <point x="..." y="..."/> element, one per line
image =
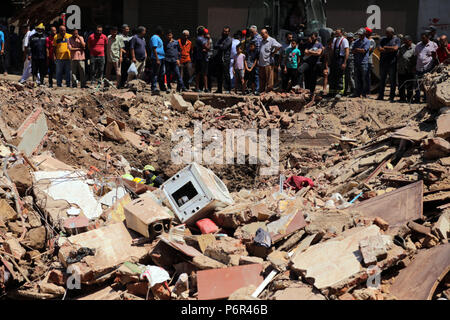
<point x="186" y="59"/>
<point x="360" y="50"/>
<point x="38" y="53"/>
<point x="389" y="46"/>
<point x="425" y="52"/>
<point x="372" y="46"/>
<point x="406" y="62"/>
<point x="151" y="179"/>
<point x="339" y="58"/>
<point x="349" y="87"/>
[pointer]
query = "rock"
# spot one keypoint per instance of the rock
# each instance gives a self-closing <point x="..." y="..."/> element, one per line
<point x="138" y="288"/>
<point x="13" y="247"/>
<point x="203" y="262"/>
<point x="244" y="293"/>
<point x="250" y="260"/>
<point x="442" y="226"/>
<point x="223" y="248"/>
<point x="337" y="221"/>
<point x="301" y="292"/>
<point x="381" y="223"/>
<point x="16" y="227"/>
<point x="198" y="104"/>
<point x="112" y="132"/>
<point x="443" y="126"/>
<point x="372" y="249"/>
<point x="279" y="260"/>
<point x="51" y="288"/>
<point x="36" y="238"/>
<point x="6" y="212"/>
<point x="365" y="294"/>
<point x="56" y="277"/>
<point x="285" y="121"/>
<point x="436" y="148"/>
<point x="34" y="219"/>
<point x="178" y="103"/>
<point x="20" y="175"/>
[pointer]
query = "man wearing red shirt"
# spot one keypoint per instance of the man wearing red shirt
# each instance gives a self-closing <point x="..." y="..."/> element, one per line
<point x="97" y="44"/>
<point x="443" y="52"/>
<point x="51" y="56"/>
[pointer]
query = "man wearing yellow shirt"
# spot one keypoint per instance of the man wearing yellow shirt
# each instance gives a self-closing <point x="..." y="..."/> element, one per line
<point x="62" y="56"/>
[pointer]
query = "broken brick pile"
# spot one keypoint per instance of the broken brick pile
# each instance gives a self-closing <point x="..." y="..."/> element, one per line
<point x="377" y="215"/>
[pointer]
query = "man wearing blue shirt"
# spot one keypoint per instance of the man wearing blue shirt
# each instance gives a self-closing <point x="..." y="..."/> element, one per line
<point x="389" y="46"/>
<point x="360" y="51"/>
<point x="2" y="51"/>
<point x="157" y="60"/>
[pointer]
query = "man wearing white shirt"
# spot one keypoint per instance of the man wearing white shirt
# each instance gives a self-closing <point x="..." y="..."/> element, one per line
<point x="339" y="56"/>
<point x="235" y="42"/>
<point x="27" y="64"/>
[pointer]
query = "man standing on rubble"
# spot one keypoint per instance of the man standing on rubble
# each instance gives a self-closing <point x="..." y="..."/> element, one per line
<point x="97" y="44"/>
<point x="202" y="46"/>
<point x="269" y="47"/>
<point x="51" y="56"/>
<point x="173" y="56"/>
<point x="25" y="48"/>
<point x="114" y="55"/>
<point x="349" y="78"/>
<point x="223" y="47"/>
<point x="186" y="59"/>
<point x="62" y="56"/>
<point x="76" y="47"/>
<point x="389" y="46"/>
<point x="38" y="54"/>
<point x="340" y="51"/>
<point x="372" y="47"/>
<point x="157" y="59"/>
<point x="126" y="57"/>
<point x="360" y="51"/>
<point x="425" y="52"/>
<point x="256" y="39"/>
<point x="312" y="50"/>
<point x="138" y="53"/>
<point x="406" y="63"/>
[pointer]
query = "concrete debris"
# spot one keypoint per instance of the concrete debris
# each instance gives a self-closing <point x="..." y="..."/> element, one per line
<point x="77" y="200"/>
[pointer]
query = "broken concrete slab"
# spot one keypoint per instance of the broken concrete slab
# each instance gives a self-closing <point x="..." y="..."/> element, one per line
<point x="32" y="132"/>
<point x="396" y="207"/>
<point x="71" y="187"/>
<point x="419" y="279"/>
<point x="442" y="226"/>
<point x="223" y="249"/>
<point x="178" y="103"/>
<point x="221" y="283"/>
<point x="205" y="263"/>
<point x="372" y="249"/>
<point x="112" y="245"/>
<point x="6" y="212"/>
<point x="333" y="261"/>
<point x="107" y="293"/>
<point x="285" y="226"/>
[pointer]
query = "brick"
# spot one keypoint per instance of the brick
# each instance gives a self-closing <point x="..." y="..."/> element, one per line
<point x="381" y="223"/>
<point x="372" y="248"/>
<point x="275" y="110"/>
<point x="443" y="126"/>
<point x="178" y="103"/>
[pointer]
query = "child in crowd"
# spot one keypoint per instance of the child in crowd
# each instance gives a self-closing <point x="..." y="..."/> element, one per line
<point x="250" y="63"/>
<point x="292" y="55"/>
<point x="238" y="69"/>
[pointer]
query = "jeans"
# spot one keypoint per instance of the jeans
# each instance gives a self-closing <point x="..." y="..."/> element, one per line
<point x="63" y="68"/>
<point x="158" y="72"/>
<point x="257" y="78"/>
<point x="292" y="75"/>
<point x="51" y="71"/>
<point x="173" y="69"/>
<point x="186" y="72"/>
<point x="223" y="74"/>
<point x="418" y="86"/>
<point x="336" y="77"/>
<point x="39" y="66"/>
<point x="405" y="86"/>
<point x="388" y="68"/>
<point x="97" y="67"/>
<point x="369" y="77"/>
<point x="361" y="70"/>
<point x="78" y="69"/>
<point x="350" y="83"/>
<point x="126" y="63"/>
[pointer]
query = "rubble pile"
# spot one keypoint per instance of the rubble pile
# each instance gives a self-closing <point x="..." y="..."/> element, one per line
<point x="359" y="208"/>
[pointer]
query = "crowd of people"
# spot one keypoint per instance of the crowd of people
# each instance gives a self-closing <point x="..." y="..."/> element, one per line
<point x="250" y="61"/>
